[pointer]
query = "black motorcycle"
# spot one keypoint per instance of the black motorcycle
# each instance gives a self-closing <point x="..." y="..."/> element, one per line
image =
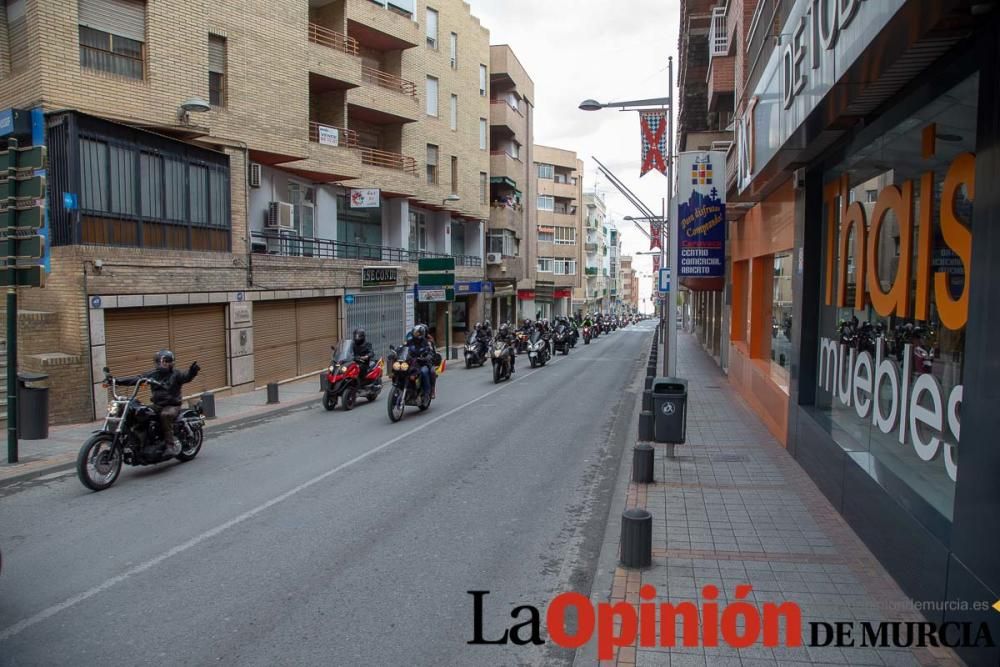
<point x="405" y="373"/>
<point x="561" y="340"/>
<point x="574" y="334"/>
<point x="476" y="351"/>
<point x="131" y="434"/>
<point x="539" y="350"/>
<point x="502" y="356"/>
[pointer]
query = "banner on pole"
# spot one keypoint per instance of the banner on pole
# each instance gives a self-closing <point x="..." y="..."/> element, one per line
<point x="701" y="214"/>
<point x="653" y="125"/>
<point x="655" y="234"/>
<point x="656" y="264"/>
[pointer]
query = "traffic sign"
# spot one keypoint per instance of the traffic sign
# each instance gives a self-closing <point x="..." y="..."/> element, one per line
<point x="25" y="217"/>
<point x="436" y="279"/>
<point x="24" y="276"/>
<point x="31" y="187"/>
<point x="348" y="299"/>
<point x="664" y="283"/>
<point x="32" y="157"/>
<point x="28" y="247"/>
<point x="436" y="264"/>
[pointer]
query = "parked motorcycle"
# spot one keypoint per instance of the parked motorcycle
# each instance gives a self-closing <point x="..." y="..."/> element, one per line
<point x="406" y="389"/>
<point x="476" y="352"/>
<point x="344" y="379"/>
<point x="561" y="339"/>
<point x="539" y="351"/>
<point x="131" y="434"/>
<point x="501" y="354"/>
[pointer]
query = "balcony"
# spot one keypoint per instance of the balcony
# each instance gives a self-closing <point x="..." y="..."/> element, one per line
<point x="334" y="55"/>
<point x="387" y="160"/>
<point x="590" y="247"/>
<point x="333" y="154"/>
<point x="718" y="40"/>
<point x="721" y="80"/>
<point x="386" y="99"/>
<point x="383" y="28"/>
<point x="503" y="164"/>
<point x="511" y="268"/>
<point x="591" y="271"/>
<point x="506" y="217"/>
<point x="565" y="190"/>
<point x="564" y="219"/>
<point x="293" y="245"/>
<point x="502" y="115"/>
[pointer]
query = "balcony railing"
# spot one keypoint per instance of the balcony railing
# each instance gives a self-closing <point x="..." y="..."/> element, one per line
<point x="508" y="105"/>
<point x="332" y="39"/>
<point x="322" y="133"/>
<point x="389" y="81"/>
<point x="718" y="41"/>
<point x="590" y="270"/>
<point x="504" y="153"/>
<point x="590" y="247"/>
<point x="398" y="161"/>
<point x="290" y="244"/>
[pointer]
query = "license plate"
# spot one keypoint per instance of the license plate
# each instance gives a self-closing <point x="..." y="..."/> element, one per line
<point x="532" y="354"/>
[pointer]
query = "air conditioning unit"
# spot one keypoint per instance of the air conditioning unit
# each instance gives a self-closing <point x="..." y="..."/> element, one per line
<point x="494" y="258"/>
<point x="253" y="178"/>
<point x="280" y="215"/>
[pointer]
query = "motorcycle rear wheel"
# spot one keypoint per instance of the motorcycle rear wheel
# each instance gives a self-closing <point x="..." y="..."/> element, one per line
<point x="99" y="462"/>
<point x="190" y="450"/>
<point x="394" y="406"/>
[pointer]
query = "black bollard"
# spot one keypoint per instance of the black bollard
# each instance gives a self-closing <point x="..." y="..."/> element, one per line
<point x="208" y="405"/>
<point x="642" y="463"/>
<point x="272" y="393"/>
<point x="647" y="400"/>
<point x="646" y="425"/>
<point x="648" y="385"/>
<point x="637" y="538"/>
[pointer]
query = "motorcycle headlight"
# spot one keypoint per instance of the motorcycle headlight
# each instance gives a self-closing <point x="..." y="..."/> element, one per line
<point x="343" y="369"/>
<point x="497" y="353"/>
<point x="330" y="369"/>
<point x="113" y="409"/>
<point x="403" y="366"/>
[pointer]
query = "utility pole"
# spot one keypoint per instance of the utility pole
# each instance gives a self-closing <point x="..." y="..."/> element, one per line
<point x="670" y="336"/>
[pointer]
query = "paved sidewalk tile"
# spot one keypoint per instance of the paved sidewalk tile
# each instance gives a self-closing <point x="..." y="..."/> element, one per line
<point x="732" y="507"/>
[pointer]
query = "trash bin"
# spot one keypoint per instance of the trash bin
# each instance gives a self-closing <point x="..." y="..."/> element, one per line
<point x="32" y="406"/>
<point x="669" y="410"/>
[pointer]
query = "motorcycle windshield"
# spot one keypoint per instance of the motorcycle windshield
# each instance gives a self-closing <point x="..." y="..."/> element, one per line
<point x="344" y="351"/>
<point x="535" y="335"/>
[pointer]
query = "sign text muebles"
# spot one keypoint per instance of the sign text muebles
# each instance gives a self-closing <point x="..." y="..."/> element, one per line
<point x="380" y="276"/>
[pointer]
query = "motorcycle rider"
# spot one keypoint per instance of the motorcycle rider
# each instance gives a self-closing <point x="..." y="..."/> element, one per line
<point x="421" y="349"/>
<point x="166" y="393"/>
<point x="506" y="334"/>
<point x="362" y="351"/>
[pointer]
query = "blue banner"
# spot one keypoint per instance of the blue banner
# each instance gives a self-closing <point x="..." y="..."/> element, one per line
<point x="701" y="216"/>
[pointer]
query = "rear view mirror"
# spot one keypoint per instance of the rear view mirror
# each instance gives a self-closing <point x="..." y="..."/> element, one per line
<point x="106" y="370"/>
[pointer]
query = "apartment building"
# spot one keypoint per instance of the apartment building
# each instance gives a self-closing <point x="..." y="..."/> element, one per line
<point x="595" y="284"/>
<point x="254" y="180"/>
<point x="510" y="252"/>
<point x="630" y="285"/>
<point x="614" y="267"/>
<point x="558" y="176"/>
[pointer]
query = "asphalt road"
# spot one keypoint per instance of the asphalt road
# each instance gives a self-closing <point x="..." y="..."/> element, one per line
<point x="320" y="538"/>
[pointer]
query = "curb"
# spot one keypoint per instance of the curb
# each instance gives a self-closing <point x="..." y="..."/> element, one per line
<point x="61" y="462"/>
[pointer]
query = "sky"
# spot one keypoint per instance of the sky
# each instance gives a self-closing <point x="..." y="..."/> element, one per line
<point x="608" y="50"/>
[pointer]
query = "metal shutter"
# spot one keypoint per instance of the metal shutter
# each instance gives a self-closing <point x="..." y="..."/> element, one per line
<point x="217" y="54"/>
<point x="198" y="333"/>
<point x="275" y="351"/>
<point x="382" y="315"/>
<point x="316" y="321"/>
<point x="132" y="338"/>
<point x="126" y="18"/>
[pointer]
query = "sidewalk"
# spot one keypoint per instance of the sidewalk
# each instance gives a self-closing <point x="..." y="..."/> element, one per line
<point x="733" y="507"/>
<point x="58" y="452"/>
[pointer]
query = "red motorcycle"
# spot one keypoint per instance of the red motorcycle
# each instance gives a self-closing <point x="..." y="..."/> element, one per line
<point x="345" y="382"/>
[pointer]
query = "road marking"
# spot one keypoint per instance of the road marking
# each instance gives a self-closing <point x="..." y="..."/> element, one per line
<point x="23" y="625"/>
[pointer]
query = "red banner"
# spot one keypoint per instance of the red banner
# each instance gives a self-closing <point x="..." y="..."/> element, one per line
<point x="654" y="235"/>
<point x="653" y="125"/>
<point x="656" y="265"/>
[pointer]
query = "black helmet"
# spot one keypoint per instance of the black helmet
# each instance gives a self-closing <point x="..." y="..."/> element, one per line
<point x="165" y="356"/>
<point x="359" y="335"/>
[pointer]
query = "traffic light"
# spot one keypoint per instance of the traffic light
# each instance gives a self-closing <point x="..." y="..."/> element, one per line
<point x="22" y="214"/>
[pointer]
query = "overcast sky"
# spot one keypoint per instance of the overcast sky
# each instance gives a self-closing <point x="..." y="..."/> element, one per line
<point x="608" y="50"/>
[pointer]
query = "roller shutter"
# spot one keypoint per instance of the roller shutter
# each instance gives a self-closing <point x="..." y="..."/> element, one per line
<point x="275" y="351"/>
<point x="126" y="18"/>
<point x="316" y="321"/>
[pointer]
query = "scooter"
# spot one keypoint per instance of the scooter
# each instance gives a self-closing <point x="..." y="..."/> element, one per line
<point x="345" y="382"/>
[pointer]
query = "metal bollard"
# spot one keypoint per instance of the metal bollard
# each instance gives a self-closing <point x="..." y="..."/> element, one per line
<point x="208" y="405"/>
<point x="642" y="463"/>
<point x="647" y="400"/>
<point x="637" y="538"/>
<point x="646" y="425"/>
<point x="648" y="385"/>
<point x="272" y="393"/>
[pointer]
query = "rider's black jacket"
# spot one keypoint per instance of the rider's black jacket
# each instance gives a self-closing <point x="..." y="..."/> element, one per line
<point x="168" y="392"/>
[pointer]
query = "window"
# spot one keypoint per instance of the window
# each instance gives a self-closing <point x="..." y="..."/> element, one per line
<point x="545" y="170"/>
<point x="217" y="71"/>
<point x="546" y="203"/>
<point x="454" y="174"/>
<point x="454" y="112"/>
<point x="546" y="235"/>
<point x="432" y="96"/>
<point x="432" y="164"/>
<point x="484" y="187"/>
<point x="418" y="230"/>
<point x="564" y="267"/>
<point x="432" y="28"/>
<point x="482" y="81"/>
<point x="302" y="198"/>
<point x="406" y="8"/>
<point x="565" y="235"/>
<point x="112" y="35"/>
<point x="503" y="241"/>
<point x="871" y="196"/>
<point x="483" y="145"/>
<point x="17" y="36"/>
<point x="545" y="264"/>
<point x="515" y="150"/>
<point x="151" y="185"/>
<point x="454" y="51"/>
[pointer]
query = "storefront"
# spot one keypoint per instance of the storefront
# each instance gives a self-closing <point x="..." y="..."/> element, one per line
<point x="873" y="314"/>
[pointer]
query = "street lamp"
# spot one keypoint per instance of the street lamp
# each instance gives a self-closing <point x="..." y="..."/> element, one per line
<point x="666" y="259"/>
<point x="450" y="199"/>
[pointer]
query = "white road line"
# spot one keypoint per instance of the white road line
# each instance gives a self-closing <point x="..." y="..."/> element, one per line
<point x="20" y="626"/>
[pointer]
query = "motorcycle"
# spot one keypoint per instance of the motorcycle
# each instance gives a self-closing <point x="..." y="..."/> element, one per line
<point x="521" y="342"/>
<point x="538" y="349"/>
<point x="406" y="389"/>
<point x="345" y="382"/>
<point x="586" y="334"/>
<point x="574" y="334"/>
<point x="560" y="340"/>
<point x="475" y="352"/>
<point x="131" y="434"/>
<point x="501" y="355"/>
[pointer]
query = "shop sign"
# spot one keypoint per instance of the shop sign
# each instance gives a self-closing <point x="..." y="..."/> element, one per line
<point x="329" y="135"/>
<point x="365" y="198"/>
<point x="701" y="214"/>
<point x="526" y="294"/>
<point x="563" y="294"/>
<point x="821" y="39"/>
<point x="379" y="276"/>
<point x="469" y="287"/>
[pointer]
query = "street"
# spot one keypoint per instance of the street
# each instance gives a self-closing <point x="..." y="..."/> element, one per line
<point x="333" y="538"/>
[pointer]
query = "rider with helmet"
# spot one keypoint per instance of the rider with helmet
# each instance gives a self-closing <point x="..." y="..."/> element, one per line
<point x="362" y="351"/>
<point x="422" y="350"/>
<point x="506" y="334"/>
<point x="166" y="393"/>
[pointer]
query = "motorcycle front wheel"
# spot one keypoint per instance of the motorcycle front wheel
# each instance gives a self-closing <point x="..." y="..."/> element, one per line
<point x="496" y="374"/>
<point x="468" y="362"/>
<point x="329" y="401"/>
<point x="349" y="398"/>
<point x="99" y="462"/>
<point x="191" y="447"/>
<point x="394" y="406"/>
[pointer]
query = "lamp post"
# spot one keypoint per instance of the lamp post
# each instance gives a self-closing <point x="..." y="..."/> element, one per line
<point x="668" y="222"/>
<point x="447" y="304"/>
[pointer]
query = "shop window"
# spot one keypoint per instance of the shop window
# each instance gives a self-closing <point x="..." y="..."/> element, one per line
<point x="359" y="231"/>
<point x="891" y="351"/>
<point x="781" y="317"/>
